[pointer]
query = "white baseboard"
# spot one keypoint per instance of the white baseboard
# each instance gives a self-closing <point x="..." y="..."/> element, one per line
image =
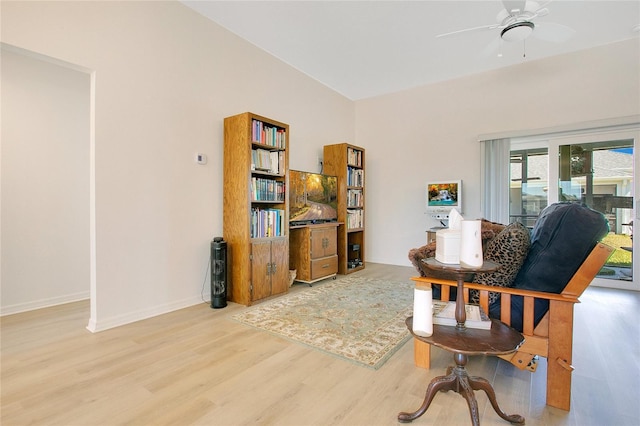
<point x="107" y="323"/>
<point x="102" y="324"/>
<point x="43" y="303"/>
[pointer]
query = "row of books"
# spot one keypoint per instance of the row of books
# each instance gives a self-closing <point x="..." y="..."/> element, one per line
<point x="268" y="161"/>
<point x="268" y="135"/>
<point x="354" y="157"/>
<point x="355" y="219"/>
<point x="354" y="198"/>
<point x="355" y="177"/>
<point x="263" y="189"/>
<point x="267" y="223"/>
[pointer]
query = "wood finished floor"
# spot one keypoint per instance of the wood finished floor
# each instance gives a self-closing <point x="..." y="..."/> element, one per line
<point x="196" y="366"/>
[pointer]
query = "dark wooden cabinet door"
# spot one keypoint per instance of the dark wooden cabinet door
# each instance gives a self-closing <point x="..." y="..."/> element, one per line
<point x="261" y="269"/>
<point x="331" y="246"/>
<point x="280" y="266"/>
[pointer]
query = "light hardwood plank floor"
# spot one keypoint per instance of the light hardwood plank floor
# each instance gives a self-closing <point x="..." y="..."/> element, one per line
<point x="196" y="366"/>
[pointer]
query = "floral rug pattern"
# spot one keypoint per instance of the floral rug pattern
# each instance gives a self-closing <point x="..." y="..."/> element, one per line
<point x="360" y="319"/>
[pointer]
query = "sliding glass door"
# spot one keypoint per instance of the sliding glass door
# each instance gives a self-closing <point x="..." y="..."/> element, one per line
<point x="529" y="187"/>
<point x="596" y="170"/>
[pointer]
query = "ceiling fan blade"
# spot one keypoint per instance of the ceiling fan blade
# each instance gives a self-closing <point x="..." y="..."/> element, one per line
<point x="514" y="6"/>
<point x="531" y="9"/>
<point x="540" y="12"/>
<point x="543" y="5"/>
<point x="483" y="27"/>
<point x="537" y="9"/>
<point x="549" y="31"/>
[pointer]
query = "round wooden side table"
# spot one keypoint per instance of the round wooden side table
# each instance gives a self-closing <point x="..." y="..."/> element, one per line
<point x="499" y="340"/>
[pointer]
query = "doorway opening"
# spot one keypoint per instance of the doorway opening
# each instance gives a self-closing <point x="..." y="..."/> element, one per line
<point x="51" y="250"/>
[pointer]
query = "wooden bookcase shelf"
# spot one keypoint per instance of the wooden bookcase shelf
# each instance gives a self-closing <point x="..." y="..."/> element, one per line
<point x="256" y="207"/>
<point x="347" y="162"/>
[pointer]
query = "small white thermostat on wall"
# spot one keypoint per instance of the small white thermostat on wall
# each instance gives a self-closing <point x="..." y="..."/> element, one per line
<point x="201" y="159"/>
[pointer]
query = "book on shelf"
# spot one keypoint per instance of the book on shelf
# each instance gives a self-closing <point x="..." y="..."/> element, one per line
<point x="263" y="189"/>
<point x="354" y="198"/>
<point x="354" y="157"/>
<point x="444" y="313"/>
<point x="355" y="219"/>
<point x="267" y="161"/>
<point x="355" y="177"/>
<point x="267" y="134"/>
<point x="267" y="223"/>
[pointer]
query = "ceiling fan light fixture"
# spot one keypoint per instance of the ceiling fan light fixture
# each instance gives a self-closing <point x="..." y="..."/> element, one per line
<point x="517" y="32"/>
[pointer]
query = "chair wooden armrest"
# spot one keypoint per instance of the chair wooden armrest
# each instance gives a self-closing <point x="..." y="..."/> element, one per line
<point x="551" y="338"/>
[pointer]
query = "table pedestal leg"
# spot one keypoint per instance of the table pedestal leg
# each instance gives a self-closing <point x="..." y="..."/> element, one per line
<point x="458" y="380"/>
<point x="479" y="383"/>
<point x="440" y="383"/>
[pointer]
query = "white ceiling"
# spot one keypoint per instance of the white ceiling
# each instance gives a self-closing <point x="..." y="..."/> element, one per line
<point x="368" y="48"/>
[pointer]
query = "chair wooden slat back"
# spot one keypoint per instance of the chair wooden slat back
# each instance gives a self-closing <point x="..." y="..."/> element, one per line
<point x="551" y="338"/>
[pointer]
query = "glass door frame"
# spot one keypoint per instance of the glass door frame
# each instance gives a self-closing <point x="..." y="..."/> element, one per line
<point x="553" y="143"/>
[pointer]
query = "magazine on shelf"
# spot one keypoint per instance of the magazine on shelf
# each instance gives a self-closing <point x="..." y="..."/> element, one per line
<point x="444" y="313"/>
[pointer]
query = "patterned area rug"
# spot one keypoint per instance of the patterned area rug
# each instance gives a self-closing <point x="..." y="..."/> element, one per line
<point x="360" y="319"/>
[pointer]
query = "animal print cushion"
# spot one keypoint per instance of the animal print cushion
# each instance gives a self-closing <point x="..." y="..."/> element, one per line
<point x="509" y="248"/>
<point x="489" y="230"/>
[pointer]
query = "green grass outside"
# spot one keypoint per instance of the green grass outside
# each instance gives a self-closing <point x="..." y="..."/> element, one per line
<point x="619" y="257"/>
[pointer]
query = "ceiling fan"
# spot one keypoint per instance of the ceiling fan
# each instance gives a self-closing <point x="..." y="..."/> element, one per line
<point x="516" y="22"/>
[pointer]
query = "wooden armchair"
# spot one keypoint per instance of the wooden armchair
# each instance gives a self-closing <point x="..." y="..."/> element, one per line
<point x="552" y="338"/>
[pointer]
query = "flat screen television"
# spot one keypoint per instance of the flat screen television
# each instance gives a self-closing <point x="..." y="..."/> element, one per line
<point x="313" y="198"/>
<point x="442" y="196"/>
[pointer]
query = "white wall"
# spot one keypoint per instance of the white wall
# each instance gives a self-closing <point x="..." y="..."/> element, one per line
<point x="430" y="133"/>
<point x="165" y="78"/>
<point x="45" y="184"/>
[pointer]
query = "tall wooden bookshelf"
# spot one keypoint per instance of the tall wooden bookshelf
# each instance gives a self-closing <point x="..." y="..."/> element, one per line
<point x="256" y="207"/>
<point x="347" y="163"/>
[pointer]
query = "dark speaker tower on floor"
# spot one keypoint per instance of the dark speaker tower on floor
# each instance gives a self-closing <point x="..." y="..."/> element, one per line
<point x="218" y="273"/>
